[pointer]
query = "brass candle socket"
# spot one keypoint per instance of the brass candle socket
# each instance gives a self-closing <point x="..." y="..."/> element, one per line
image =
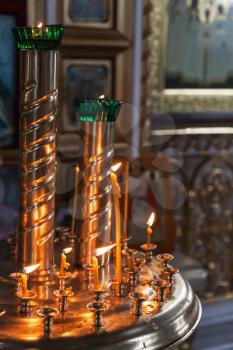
<point x="168" y="274"/>
<point x="133" y="278"/>
<point x="164" y="259"/>
<point x="100" y="293"/>
<point x="118" y="288"/>
<point x="25" y="307"/>
<point x="63" y="296"/>
<point x="97" y="308"/>
<point x="16" y="276"/>
<point x="48" y="313"/>
<point x="138" y="300"/>
<point x="148" y="249"/>
<point x="160" y="287"/>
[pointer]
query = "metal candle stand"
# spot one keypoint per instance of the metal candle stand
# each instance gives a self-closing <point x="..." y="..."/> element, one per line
<point x="48" y="314"/>
<point x="100" y="293"/>
<point x="160" y="287"/>
<point x="38" y="55"/>
<point x="63" y="296"/>
<point x="138" y="300"/>
<point x="148" y="249"/>
<point x="25" y="307"/>
<point x="97" y="308"/>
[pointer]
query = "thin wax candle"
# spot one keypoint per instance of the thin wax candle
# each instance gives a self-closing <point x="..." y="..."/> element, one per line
<point x="116" y="196"/>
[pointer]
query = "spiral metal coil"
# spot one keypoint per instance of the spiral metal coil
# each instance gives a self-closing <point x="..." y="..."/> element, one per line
<point x="38" y="163"/>
<point x="96" y="206"/>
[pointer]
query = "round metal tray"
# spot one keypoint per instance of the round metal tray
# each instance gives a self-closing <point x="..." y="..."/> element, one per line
<point x="160" y="327"/>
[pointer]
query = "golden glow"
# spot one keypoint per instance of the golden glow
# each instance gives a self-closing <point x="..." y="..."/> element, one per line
<point x="95" y="267"/>
<point x="151" y="220"/>
<point x="67" y="250"/>
<point x="31" y="268"/>
<point x="115" y="167"/>
<point x="103" y="250"/>
<point x="40" y="25"/>
<point x="101" y="97"/>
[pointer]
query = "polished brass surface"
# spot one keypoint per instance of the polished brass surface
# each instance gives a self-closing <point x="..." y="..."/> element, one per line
<point x="148" y="249"/>
<point x="37" y="159"/>
<point x="160" y="326"/>
<point x="96" y="201"/>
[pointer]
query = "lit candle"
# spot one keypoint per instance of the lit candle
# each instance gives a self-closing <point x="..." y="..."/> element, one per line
<point x="74" y="211"/>
<point x="149" y="225"/>
<point x="116" y="196"/>
<point x="24" y="281"/>
<point x="95" y="267"/>
<point x="126" y="198"/>
<point x="24" y="277"/>
<point x="64" y="265"/>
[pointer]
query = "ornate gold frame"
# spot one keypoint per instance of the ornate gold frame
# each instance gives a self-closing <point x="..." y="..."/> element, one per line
<point x="175" y="100"/>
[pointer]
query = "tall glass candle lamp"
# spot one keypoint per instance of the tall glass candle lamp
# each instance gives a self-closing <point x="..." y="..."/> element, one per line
<point x="38" y="48"/>
<point x="97" y="120"/>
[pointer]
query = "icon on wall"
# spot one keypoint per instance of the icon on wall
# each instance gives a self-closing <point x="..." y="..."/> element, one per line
<point x="88" y="78"/>
<point x="88" y="13"/>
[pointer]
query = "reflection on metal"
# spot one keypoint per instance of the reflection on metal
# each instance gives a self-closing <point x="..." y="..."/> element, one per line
<point x="160" y="325"/>
<point x="194" y="131"/>
<point x="37" y="145"/>
<point x="96" y="193"/>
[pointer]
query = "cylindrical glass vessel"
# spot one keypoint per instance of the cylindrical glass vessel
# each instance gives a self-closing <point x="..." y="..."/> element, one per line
<point x="97" y="120"/>
<point x="38" y="110"/>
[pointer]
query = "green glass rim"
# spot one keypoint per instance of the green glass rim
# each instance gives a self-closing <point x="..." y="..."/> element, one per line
<point x="97" y="109"/>
<point x="47" y="37"/>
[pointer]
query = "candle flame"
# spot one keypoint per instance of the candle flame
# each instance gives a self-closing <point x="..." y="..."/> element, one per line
<point x="101" y="97"/>
<point x="31" y="268"/>
<point x="115" y="167"/>
<point x="67" y="250"/>
<point x="40" y="25"/>
<point x="103" y="250"/>
<point x="151" y="219"/>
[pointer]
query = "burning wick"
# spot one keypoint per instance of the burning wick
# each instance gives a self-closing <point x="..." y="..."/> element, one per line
<point x="24" y="277"/>
<point x="64" y="265"/>
<point x="101" y="97"/>
<point x="116" y="196"/>
<point x="40" y="25"/>
<point x="149" y="225"/>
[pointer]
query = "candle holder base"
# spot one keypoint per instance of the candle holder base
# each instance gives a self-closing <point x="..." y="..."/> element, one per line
<point x="100" y="293"/>
<point x="97" y="308"/>
<point x="133" y="278"/>
<point x="164" y="259"/>
<point x="25" y="307"/>
<point x="160" y="287"/>
<point x="48" y="313"/>
<point x="168" y="274"/>
<point x="148" y="249"/>
<point x="138" y="300"/>
<point x="63" y="296"/>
